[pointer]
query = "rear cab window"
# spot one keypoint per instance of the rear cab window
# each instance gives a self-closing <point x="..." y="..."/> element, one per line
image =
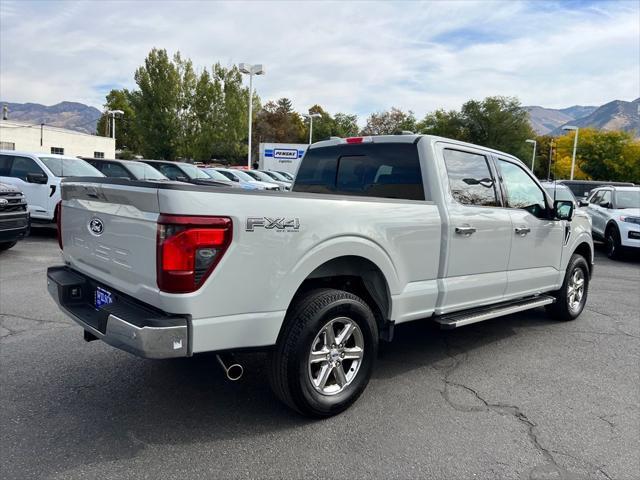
<point x="378" y="170"/>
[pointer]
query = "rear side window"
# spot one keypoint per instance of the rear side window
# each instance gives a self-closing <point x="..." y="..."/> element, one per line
<point x="470" y="179"/>
<point x="114" y="170"/>
<point x="5" y="165"/>
<point x="387" y="170"/>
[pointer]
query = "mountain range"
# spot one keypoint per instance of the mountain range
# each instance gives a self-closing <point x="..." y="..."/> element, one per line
<point x="71" y="115"/>
<point x="615" y="115"/>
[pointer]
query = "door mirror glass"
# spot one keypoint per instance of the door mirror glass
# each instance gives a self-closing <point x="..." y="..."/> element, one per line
<point x="563" y="210"/>
<point x="584" y="203"/>
<point x="182" y="178"/>
<point x="40" y="178"/>
<point x="605" y="205"/>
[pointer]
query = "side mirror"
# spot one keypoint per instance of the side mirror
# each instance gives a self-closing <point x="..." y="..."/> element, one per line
<point x="563" y="210"/>
<point x="605" y="205"/>
<point x="235" y="179"/>
<point x="40" y="178"/>
<point x="583" y="203"/>
<point x="182" y="178"/>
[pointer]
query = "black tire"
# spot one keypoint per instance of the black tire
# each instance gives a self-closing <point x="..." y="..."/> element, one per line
<point x="612" y="243"/>
<point x="562" y="310"/>
<point x="6" y="245"/>
<point x="289" y="370"/>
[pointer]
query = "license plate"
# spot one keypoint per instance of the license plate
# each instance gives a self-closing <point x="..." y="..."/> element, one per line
<point x="103" y="297"/>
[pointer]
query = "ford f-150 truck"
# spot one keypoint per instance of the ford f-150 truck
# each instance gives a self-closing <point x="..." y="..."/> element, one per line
<point x="376" y="232"/>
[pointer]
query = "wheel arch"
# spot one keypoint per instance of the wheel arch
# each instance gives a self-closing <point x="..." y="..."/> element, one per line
<point x="586" y="251"/>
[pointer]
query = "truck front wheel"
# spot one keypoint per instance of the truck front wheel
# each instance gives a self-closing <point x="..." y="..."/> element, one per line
<point x="325" y="353"/>
<point x="572" y="297"/>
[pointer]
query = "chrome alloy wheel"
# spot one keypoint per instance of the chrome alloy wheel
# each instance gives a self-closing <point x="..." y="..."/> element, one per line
<point x="336" y="355"/>
<point x="575" y="290"/>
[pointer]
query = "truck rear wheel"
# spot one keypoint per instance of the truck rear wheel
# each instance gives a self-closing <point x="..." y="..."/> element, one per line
<point x="325" y="353"/>
<point x="572" y="297"/>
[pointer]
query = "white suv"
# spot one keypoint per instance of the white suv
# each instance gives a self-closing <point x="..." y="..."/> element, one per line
<point x="38" y="176"/>
<point x="615" y="215"/>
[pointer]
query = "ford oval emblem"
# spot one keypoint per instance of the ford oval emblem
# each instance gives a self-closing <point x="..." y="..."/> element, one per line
<point x="96" y="227"/>
<point x="3" y="202"/>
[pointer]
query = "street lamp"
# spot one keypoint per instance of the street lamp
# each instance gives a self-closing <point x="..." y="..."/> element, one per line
<point x="533" y="159"/>
<point x="250" y="70"/>
<point x="575" y="146"/>
<point x="311" y="116"/>
<point x="113" y="114"/>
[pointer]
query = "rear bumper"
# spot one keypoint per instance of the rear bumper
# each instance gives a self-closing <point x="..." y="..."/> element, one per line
<point x="126" y="324"/>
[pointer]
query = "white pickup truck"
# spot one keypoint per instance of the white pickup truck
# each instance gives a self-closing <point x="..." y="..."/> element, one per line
<point x="377" y="231"/>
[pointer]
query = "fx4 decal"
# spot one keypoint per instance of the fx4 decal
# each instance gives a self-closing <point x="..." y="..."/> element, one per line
<point x="271" y="223"/>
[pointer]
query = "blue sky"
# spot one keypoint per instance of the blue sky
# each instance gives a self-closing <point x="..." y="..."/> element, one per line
<point x="353" y="57"/>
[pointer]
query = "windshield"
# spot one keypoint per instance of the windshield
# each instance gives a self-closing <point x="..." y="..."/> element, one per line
<point x="261" y="177"/>
<point x="216" y="175"/>
<point x="243" y="176"/>
<point x="70" y="167"/>
<point x="628" y="199"/>
<point x="562" y="193"/>
<point x="286" y="175"/>
<point x="193" y="171"/>
<point x="142" y="171"/>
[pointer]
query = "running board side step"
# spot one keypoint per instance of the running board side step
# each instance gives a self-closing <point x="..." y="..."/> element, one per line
<point x="467" y="317"/>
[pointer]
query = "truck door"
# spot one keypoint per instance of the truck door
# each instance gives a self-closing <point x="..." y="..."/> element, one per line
<point x="537" y="240"/>
<point x="19" y="171"/>
<point x="478" y="238"/>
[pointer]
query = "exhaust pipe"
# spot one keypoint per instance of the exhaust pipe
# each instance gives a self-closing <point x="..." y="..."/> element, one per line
<point x="232" y="370"/>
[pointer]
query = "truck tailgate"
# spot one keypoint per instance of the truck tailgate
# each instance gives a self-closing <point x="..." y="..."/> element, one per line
<point x="109" y="232"/>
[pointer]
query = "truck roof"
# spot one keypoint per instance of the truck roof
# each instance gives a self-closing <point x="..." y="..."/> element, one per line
<point x="407" y="138"/>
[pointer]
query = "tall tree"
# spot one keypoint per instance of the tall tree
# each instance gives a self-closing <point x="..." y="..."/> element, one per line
<point x="444" y="123"/>
<point x="345" y="125"/>
<point x="277" y="122"/>
<point x="157" y="104"/>
<point x="390" y="122"/>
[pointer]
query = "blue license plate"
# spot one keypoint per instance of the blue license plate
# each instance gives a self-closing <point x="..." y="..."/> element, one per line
<point x="103" y="297"/>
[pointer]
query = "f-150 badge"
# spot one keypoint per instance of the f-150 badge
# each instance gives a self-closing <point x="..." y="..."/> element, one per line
<point x="273" y="223"/>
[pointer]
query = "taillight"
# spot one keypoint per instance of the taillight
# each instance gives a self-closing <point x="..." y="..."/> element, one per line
<point x="189" y="248"/>
<point x="58" y="214"/>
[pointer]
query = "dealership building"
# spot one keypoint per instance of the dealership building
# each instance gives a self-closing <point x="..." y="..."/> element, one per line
<point x="28" y="137"/>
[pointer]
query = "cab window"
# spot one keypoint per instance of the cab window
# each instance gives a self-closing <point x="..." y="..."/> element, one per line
<point x="521" y="190"/>
<point x="470" y="179"/>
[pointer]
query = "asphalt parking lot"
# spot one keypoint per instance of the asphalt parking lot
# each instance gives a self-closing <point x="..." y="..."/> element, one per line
<point x="520" y="397"/>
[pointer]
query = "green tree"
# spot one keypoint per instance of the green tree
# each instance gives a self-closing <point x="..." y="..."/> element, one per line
<point x="449" y="124"/>
<point x="157" y="103"/>
<point x="390" y="122"/>
<point x="127" y="138"/>
<point x="277" y="122"/>
<point x="498" y="122"/>
<point x="345" y="125"/>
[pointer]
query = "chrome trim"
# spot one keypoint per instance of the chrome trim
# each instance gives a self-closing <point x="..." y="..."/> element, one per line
<point x="498" y="312"/>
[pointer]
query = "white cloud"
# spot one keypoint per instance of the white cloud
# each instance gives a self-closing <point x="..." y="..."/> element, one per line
<point x="351" y="57"/>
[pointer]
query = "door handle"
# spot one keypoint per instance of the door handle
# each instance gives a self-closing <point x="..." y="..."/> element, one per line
<point x="466" y="231"/>
<point x="522" y="231"/>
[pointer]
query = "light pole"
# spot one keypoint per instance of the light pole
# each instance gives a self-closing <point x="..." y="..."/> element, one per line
<point x="533" y="159"/>
<point x="113" y="114"/>
<point x="250" y="70"/>
<point x="311" y="116"/>
<point x="575" y="146"/>
<point x="550" y="155"/>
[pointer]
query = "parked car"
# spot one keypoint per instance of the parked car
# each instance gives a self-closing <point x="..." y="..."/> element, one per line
<point x="263" y="177"/>
<point x="559" y="191"/>
<point x="241" y="177"/>
<point x="615" y="215"/>
<point x="278" y="177"/>
<point x="286" y="175"/>
<point x="38" y="176"/>
<point x="130" y="169"/>
<point x="14" y="217"/>
<point x="581" y="188"/>
<point x="185" y="172"/>
<point x="378" y="231"/>
<point x="213" y="173"/>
